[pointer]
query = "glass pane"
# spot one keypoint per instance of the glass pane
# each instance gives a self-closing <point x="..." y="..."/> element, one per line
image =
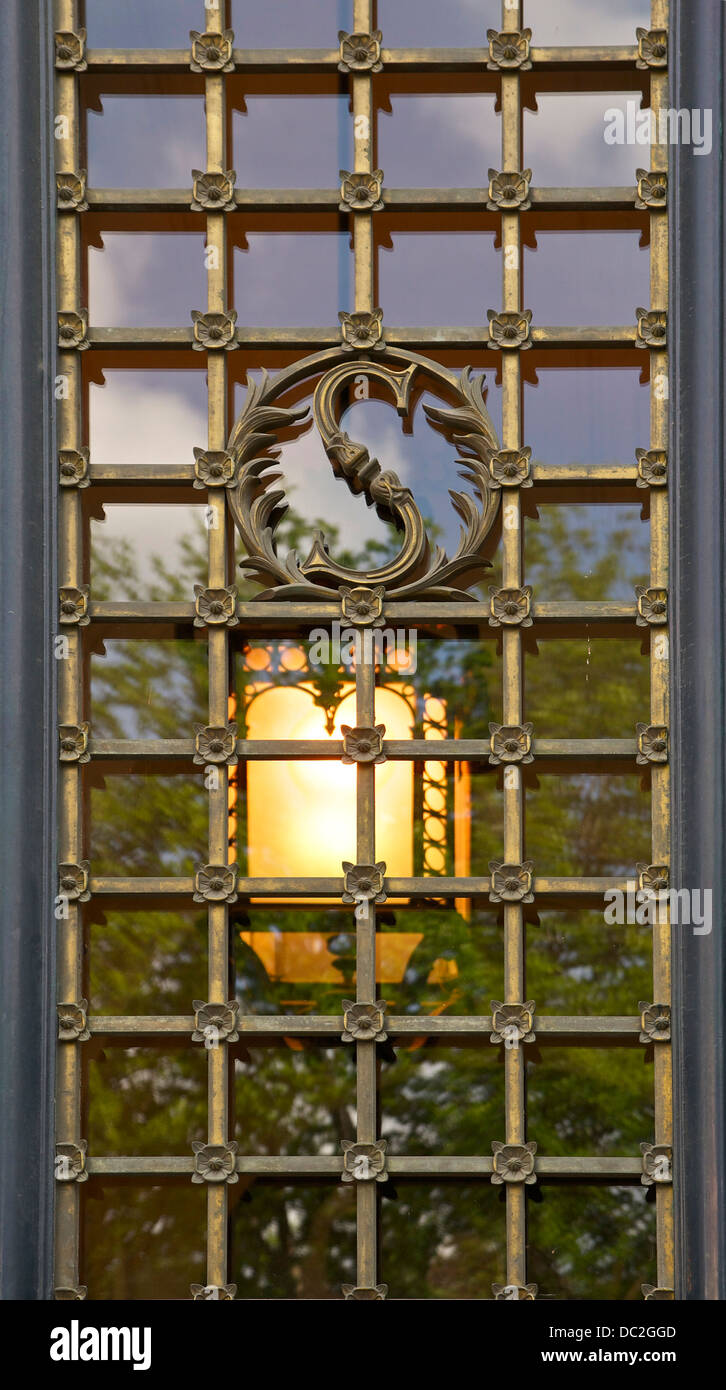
<point x="297" y="1099"/>
<point x="590" y="1101"/>
<point x="586" y="552"/>
<point x="565" y="139"/>
<point x="148" y="689"/>
<point x="139" y="417"/>
<point x="586" y="278"/>
<point x="290" y="23"/>
<point x="148" y="551"/>
<point x="292" y="142"/>
<point x="139" y="24"/>
<point x="147" y="962"/>
<point x="440" y="141"/>
<point x="439" y="279"/>
<point x="573" y="22"/>
<point x="283" y="280"/>
<point x="443" y="1241"/>
<point x="441" y="1100"/>
<point x="577" y="963"/>
<point x="292" y="1242"/>
<point x="145" y="142"/>
<point x="429" y="24"/>
<point x="585" y="825"/>
<point x="591" y="1243"/>
<point x="577" y="685"/>
<point x="598" y="415"/>
<point x="144" y="825"/>
<point x="143" y="1242"/>
<point x="143" y="1100"/>
<point x="146" y="280"/>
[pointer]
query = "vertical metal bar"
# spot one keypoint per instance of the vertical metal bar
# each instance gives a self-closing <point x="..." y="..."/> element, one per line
<point x="363" y="140"/>
<point x="69" y="948"/>
<point x="218" y="664"/>
<point x="512" y="663"/>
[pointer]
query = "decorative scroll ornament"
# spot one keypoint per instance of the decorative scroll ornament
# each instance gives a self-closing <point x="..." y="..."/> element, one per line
<point x="512" y="1023"/>
<point x="360" y="192"/>
<point x="73" y="468"/>
<point x="377" y="1292"/>
<point x="511" y="468"/>
<point x="649" y="1291"/>
<point x="213" y="469"/>
<point x="652" y="743"/>
<point x="73" y="881"/>
<point x="652" y="606"/>
<point x="213" y="191"/>
<point x="215" y="883"/>
<point x="215" y="1163"/>
<point x="70" y="50"/>
<point x="215" y="607"/>
<point x="364" y="1162"/>
<point x="73" y="331"/>
<point x="224" y="1293"/>
<point x="212" y="52"/>
<point x="510" y="743"/>
<point x="362" y="606"/>
<point x="652" y="467"/>
<point x="652" y="188"/>
<point x="364" y="1022"/>
<point x="513" y="1163"/>
<point x="652" y="328"/>
<point x="214" y="1023"/>
<point x="509" y="49"/>
<point x="514" y="1293"/>
<point x="655" y="1022"/>
<point x="420" y="569"/>
<point x="71" y="191"/>
<point x="68" y="1293"/>
<point x="657" y="1164"/>
<point x="511" y="883"/>
<point x="652" y="48"/>
<point x="73" y="606"/>
<point x="509" y="191"/>
<point x="73" y="1022"/>
<point x="70" y="1162"/>
<point x="362" y="332"/>
<point x="363" y="745"/>
<point x="364" y="881"/>
<point x="360" y="52"/>
<point x="215" y="744"/>
<point x="73" y="741"/>
<point x="653" y="878"/>
<point x="509" y="331"/>
<point x="214" y="331"/>
<point x="510" y="607"/>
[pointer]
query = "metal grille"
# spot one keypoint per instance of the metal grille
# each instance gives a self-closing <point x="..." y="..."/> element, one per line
<point x="363" y="1163"/>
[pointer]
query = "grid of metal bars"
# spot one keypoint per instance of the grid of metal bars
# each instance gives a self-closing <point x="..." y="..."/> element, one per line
<point x="77" y="742"/>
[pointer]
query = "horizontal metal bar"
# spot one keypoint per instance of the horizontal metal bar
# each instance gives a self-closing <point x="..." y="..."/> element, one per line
<point x="263" y="614"/>
<point x="544" y="474"/>
<point x="474" y="336"/>
<point x="152" y="200"/>
<point x="284" y="60"/>
<point x="550" y="1029"/>
<point x="433" y="887"/>
<point x="331" y="750"/>
<point x="398" y="1165"/>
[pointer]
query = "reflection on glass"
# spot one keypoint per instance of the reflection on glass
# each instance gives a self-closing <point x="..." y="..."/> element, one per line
<point x="442" y="1100"/>
<point x="144" y="825"/>
<point x="427" y="278"/>
<point x="143" y="1242"/>
<point x="139" y="417"/>
<point x="586" y="278"/>
<point x="572" y="22"/>
<point x="142" y="1100"/>
<point x="442" y="141"/>
<point x="579" y="964"/>
<point x="588" y="825"/>
<point x="586" y="552"/>
<point x="148" y="689"/>
<point x="575" y="685"/>
<point x="292" y="1242"/>
<point x="299" y="280"/>
<point x="586" y="416"/>
<point x="145" y="142"/>
<point x="443" y="1241"/>
<point x="297" y="1099"/>
<point x="428" y="24"/>
<point x="292" y="142"/>
<point x="290" y="23"/>
<point x="564" y="140"/>
<point x="148" y="551"/>
<point x="147" y="962"/>
<point x="565" y="1125"/>
<point x="138" y="24"/>
<point x="591" y="1243"/>
<point x="146" y="280"/>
